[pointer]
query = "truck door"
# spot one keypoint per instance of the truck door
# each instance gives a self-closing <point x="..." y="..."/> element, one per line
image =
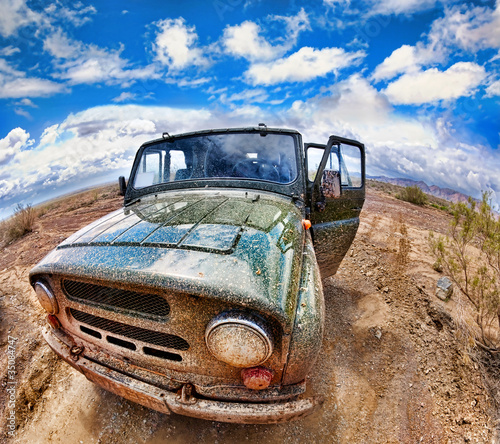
<point x="336" y="193"/>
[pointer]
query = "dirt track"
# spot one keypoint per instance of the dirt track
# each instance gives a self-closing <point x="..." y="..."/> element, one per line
<point x="391" y="367"/>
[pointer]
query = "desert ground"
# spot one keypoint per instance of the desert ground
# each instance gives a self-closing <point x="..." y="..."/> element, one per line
<point x="393" y="366"/>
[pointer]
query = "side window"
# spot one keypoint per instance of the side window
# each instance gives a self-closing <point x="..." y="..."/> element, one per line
<point x="314" y="156"/>
<point x="150" y="170"/>
<point x="350" y="166"/>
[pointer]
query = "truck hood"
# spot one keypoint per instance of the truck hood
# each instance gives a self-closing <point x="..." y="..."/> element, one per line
<point x="243" y="248"/>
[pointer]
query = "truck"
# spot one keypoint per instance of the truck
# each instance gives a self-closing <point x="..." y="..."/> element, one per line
<point x="202" y="295"/>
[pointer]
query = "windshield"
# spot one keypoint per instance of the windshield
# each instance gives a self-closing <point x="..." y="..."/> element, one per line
<point x="251" y="156"/>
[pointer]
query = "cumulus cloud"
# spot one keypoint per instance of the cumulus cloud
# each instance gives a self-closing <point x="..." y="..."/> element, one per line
<point x="16" y="84"/>
<point x="247" y="40"/>
<point x="408" y="59"/>
<point x="81" y="63"/>
<point x="425" y="148"/>
<point x="99" y="143"/>
<point x="432" y="85"/>
<point x="95" y="143"/>
<point x="469" y="27"/>
<point x="175" y="45"/>
<point x="312" y="62"/>
<point x="77" y="16"/>
<point x="493" y="89"/>
<point x="398" y="6"/>
<point x="465" y="27"/>
<point x="16" y="14"/>
<point x="124" y="96"/>
<point x="12" y="144"/>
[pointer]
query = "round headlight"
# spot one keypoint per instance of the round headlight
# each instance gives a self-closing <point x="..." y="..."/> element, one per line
<point x="46" y="298"/>
<point x="239" y="340"/>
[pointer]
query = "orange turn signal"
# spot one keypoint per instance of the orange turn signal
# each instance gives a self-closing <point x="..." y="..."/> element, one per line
<point x="306" y="223"/>
<point x="53" y="322"/>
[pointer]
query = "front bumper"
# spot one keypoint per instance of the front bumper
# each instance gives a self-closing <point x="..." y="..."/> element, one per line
<point x="183" y="402"/>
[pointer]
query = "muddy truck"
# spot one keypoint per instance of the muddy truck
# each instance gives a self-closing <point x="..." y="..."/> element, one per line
<point x="202" y="296"/>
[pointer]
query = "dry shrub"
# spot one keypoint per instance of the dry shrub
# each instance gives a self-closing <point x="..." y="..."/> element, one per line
<point x="413" y="195"/>
<point x="18" y="225"/>
<point x="470" y="255"/>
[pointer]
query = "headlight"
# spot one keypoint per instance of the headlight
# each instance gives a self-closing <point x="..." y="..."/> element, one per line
<point x="239" y="340"/>
<point x="46" y="298"/>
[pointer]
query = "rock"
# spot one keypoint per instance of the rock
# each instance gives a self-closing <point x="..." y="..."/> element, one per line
<point x="444" y="288"/>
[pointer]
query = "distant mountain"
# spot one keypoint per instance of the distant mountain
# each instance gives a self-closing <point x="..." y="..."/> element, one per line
<point x="433" y="190"/>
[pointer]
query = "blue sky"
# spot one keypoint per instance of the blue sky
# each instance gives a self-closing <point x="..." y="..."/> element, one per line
<point x="82" y="85"/>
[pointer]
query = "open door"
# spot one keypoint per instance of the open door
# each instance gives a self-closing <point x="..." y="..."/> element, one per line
<point x="336" y="193"/>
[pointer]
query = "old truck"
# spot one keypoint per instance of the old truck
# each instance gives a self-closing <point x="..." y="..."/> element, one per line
<point x="202" y="295"/>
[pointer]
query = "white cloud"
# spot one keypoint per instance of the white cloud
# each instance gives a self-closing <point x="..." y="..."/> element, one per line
<point x="246" y="40"/>
<point x="99" y="143"/>
<point x="401" y="60"/>
<point x="81" y="63"/>
<point x="28" y="87"/>
<point x="424" y="148"/>
<point x="191" y="83"/>
<point x="60" y="46"/>
<point x="468" y="27"/>
<point x="175" y="45"/>
<point x="12" y="144"/>
<point x="465" y="27"/>
<point x="22" y="112"/>
<point x="15" y="84"/>
<point x="26" y="102"/>
<point x="124" y="96"/>
<point x="387" y="7"/>
<point x="353" y="108"/>
<point x="493" y="89"/>
<point x="432" y="85"/>
<point x="49" y="135"/>
<point x="258" y="95"/>
<point x="16" y="14"/>
<point x="302" y="66"/>
<point x="77" y="16"/>
<point x="8" y="51"/>
<point x="408" y="59"/>
<point x="93" y="143"/>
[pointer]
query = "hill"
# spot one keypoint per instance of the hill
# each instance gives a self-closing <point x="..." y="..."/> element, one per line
<point x="441" y="193"/>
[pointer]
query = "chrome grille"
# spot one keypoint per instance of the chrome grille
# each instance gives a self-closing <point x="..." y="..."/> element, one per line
<point x="140" y="334"/>
<point x="149" y="306"/>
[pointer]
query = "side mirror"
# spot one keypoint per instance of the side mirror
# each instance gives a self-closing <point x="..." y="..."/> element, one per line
<point x="330" y="184"/>
<point x="123" y="185"/>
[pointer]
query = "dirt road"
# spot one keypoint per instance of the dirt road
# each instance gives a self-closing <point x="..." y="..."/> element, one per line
<point x="392" y="369"/>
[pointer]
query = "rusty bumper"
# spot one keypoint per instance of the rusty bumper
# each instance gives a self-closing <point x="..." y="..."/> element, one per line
<point x="184" y="402"/>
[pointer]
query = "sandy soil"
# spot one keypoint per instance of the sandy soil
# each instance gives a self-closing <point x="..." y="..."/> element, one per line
<point x="392" y="368"/>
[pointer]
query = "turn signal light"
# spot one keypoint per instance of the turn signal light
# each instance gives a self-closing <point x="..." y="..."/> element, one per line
<point x="257" y="378"/>
<point x="53" y="322"/>
<point x="306" y="223"/>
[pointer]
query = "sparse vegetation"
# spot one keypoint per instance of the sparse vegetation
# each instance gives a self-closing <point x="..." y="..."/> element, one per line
<point x="440" y="207"/>
<point x="470" y="255"/>
<point x="414" y="195"/>
<point x="18" y="225"/>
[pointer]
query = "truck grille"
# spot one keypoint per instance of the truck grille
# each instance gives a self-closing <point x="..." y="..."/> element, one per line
<point x="149" y="306"/>
<point x="140" y="334"/>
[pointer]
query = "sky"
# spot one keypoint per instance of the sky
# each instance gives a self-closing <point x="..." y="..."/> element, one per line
<point x="84" y="84"/>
